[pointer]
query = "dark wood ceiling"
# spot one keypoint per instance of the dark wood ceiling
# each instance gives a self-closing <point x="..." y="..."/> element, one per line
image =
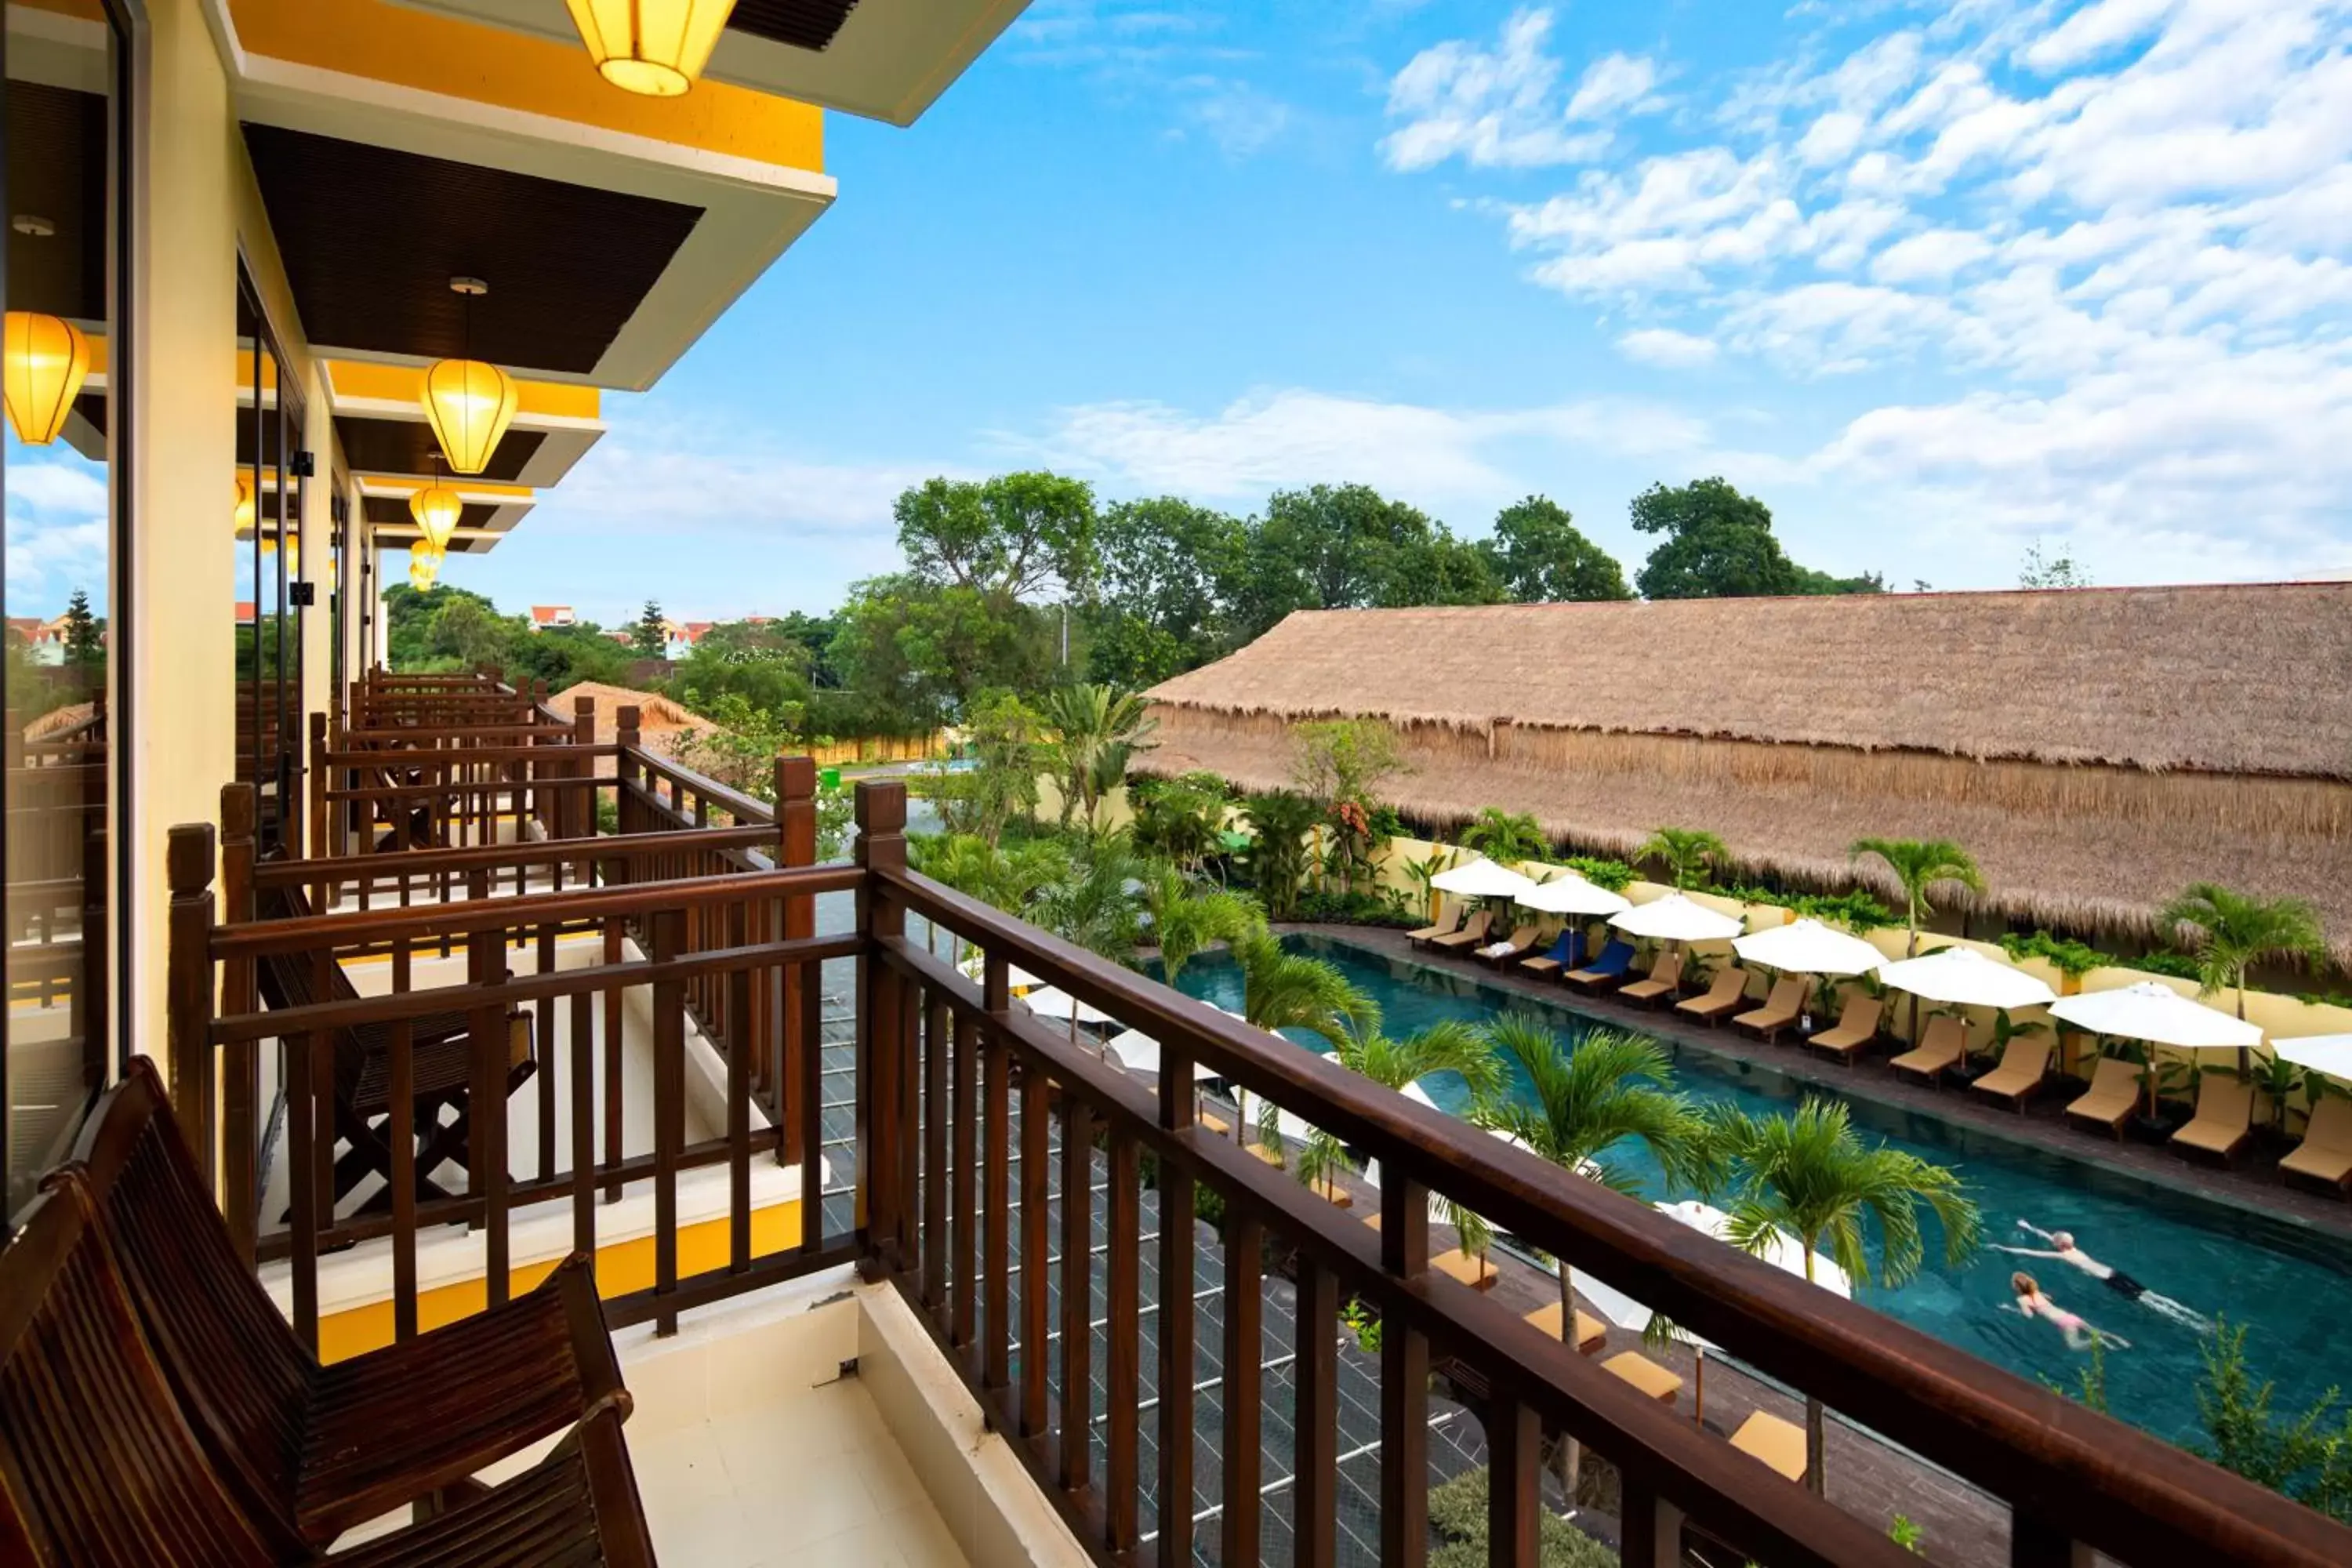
<point x="56" y="169"/>
<point x="407" y="446"/>
<point x="803" y="24"/>
<point x="372" y="235"/>
<point x="395" y="510"/>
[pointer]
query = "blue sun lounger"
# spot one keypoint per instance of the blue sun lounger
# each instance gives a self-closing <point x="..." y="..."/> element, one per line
<point x="1566" y="954"/>
<point x="1616" y="962"/>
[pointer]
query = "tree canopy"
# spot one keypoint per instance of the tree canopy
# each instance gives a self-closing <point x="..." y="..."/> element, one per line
<point x="1539" y="556"/>
<point x="1719" y="543"/>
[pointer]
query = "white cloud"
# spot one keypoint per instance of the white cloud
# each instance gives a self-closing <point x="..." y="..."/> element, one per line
<point x="50" y="486"/>
<point x="1242" y="121"/>
<point x="1613" y="84"/>
<point x="1296" y="436"/>
<point x="1665" y="347"/>
<point x="1498" y="107"/>
<point x="2108" y="245"/>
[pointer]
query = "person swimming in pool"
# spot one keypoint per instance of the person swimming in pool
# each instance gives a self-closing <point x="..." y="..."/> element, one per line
<point x="2080" y="1335"/>
<point x="2063" y="1250"/>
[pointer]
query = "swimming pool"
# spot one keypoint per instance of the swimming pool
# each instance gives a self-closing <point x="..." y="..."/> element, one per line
<point x="2285" y="1281"/>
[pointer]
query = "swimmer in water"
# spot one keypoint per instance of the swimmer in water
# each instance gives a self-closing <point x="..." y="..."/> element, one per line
<point x="2063" y="1250"/>
<point x="2080" y="1335"/>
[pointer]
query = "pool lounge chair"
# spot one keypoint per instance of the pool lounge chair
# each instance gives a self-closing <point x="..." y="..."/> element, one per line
<point x="1567" y="953"/>
<point x="1645" y="1375"/>
<point x="1591" y="1334"/>
<point x="2114" y="1094"/>
<point x="1472" y="933"/>
<point x="1665" y="979"/>
<point x="2224" y="1118"/>
<point x="1610" y="970"/>
<point x="2023" y="1066"/>
<point x="1521" y="943"/>
<point x="2325" y="1152"/>
<point x="1443" y="927"/>
<point x="1779" y="1444"/>
<point x="1857" y="1027"/>
<point x="1726" y="996"/>
<point x="1779" y="1010"/>
<point x="1938" y="1052"/>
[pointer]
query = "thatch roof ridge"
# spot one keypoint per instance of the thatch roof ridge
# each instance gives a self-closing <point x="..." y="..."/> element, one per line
<point x="2153" y="678"/>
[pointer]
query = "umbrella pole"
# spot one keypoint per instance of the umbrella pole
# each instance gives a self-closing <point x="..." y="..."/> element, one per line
<point x="1698" y="1389"/>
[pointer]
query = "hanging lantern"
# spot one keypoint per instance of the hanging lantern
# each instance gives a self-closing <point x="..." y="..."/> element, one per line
<point x="44" y="360"/>
<point x="653" y="46"/>
<point x="244" y="500"/>
<point x="436" y="509"/>
<point x="420" y="575"/>
<point x="470" y="405"/>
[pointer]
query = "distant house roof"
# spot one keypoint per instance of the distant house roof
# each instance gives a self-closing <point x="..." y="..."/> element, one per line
<point x="2096" y="750"/>
<point x="692" y="632"/>
<point x="243" y="611"/>
<point x="27" y="626"/>
<point x="549" y="615"/>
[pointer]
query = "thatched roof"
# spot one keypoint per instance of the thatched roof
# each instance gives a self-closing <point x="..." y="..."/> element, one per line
<point x="660" y="721"/>
<point x="2196" y="733"/>
<point x="2230" y="678"/>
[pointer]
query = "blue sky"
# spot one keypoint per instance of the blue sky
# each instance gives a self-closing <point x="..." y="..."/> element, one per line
<point x="1934" y="281"/>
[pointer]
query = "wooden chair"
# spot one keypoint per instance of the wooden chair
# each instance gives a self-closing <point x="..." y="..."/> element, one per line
<point x="2114" y="1094"/>
<point x="2023" y="1065"/>
<point x="315" y="1449"/>
<point x="2324" y="1156"/>
<point x="1523" y="941"/>
<point x="1429" y="933"/>
<point x="1857" y="1027"/>
<point x="99" y="1467"/>
<point x="1724" y="997"/>
<point x="1472" y="933"/>
<point x="442" y="1057"/>
<point x="1779" y="1012"/>
<point x="1665" y="979"/>
<point x="1938" y="1052"/>
<point x="1606" y="972"/>
<point x="2224" y="1118"/>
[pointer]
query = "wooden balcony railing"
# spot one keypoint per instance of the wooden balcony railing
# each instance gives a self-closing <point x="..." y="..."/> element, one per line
<point x="999" y="1176"/>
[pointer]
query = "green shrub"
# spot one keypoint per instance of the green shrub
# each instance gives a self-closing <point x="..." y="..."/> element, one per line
<point x="1457" y="1512"/>
<point x="1386" y="908"/>
<point x="1614" y="874"/>
<point x="2074" y="959"/>
<point x="2174" y="966"/>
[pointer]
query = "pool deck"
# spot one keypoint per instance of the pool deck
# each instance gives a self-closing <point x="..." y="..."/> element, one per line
<point x="2252" y="1184"/>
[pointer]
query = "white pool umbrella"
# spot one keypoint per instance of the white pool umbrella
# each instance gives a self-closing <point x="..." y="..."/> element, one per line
<point x="1141" y="1053"/>
<point x="1675" y="919"/>
<point x="1017" y="979"/>
<point x="1054" y="1003"/>
<point x="1808" y="947"/>
<point x="2330" y="1054"/>
<point x="1482" y="880"/>
<point x="2158" y="1015"/>
<point x="1963" y="977"/>
<point x="1572" y="895"/>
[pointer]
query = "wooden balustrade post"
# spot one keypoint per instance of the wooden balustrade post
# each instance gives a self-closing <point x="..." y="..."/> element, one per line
<point x="629" y="774"/>
<point x="189" y="996"/>
<point x="1404" y="1380"/>
<point x="881" y="814"/>
<point x="318" y="787"/>
<point x="240" y="1080"/>
<point x="795" y="846"/>
<point x="581" y="818"/>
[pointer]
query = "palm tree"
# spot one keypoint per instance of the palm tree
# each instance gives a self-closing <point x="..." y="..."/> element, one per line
<point x="1809" y="1175"/>
<point x="1586" y="1101"/>
<point x="1919" y="865"/>
<point x="1505" y="838"/>
<point x="1285" y="990"/>
<point x="2235" y="931"/>
<point x="1279" y="823"/>
<point x="1448" y="1046"/>
<point x="1686" y="851"/>
<point x="1187" y="917"/>
<point x="1096" y="731"/>
<point x="1095" y="906"/>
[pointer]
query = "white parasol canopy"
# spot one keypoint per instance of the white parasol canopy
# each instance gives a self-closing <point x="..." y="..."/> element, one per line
<point x="1139" y="1052"/>
<point x="1482" y="880"/>
<point x="2330" y="1054"/>
<point x="1017" y="979"/>
<point x="1809" y="947"/>
<point x="1572" y="895"/>
<point x="1963" y="977"/>
<point x="1675" y="919"/>
<point x="2156" y="1013"/>
<point x="1054" y="1003"/>
<point x="1785" y="1253"/>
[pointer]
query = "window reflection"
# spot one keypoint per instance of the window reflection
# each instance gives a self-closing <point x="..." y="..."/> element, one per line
<point x="62" y="137"/>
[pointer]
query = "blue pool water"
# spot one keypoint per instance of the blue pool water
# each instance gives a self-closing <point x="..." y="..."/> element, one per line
<point x="2287" y="1282"/>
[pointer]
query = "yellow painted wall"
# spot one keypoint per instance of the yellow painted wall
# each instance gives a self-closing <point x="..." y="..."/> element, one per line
<point x="184" y="285"/>
<point x="386" y="42"/>
<point x="621" y="1269"/>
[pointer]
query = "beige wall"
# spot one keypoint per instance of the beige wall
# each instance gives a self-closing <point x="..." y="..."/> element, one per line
<point x="182" y="574"/>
